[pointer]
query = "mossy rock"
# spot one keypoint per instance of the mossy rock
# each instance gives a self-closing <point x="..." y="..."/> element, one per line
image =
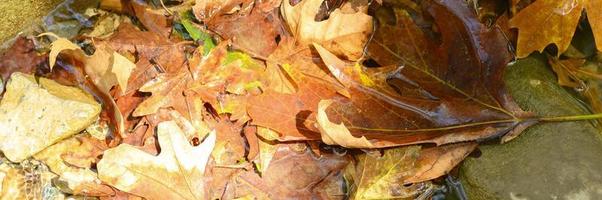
<point x="548" y="160"/>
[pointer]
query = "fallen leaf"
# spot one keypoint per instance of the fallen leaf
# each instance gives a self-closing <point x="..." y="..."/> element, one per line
<point x="438" y="161"/>
<point x="20" y="57"/>
<point x="176" y="173"/>
<point x="288" y="162"/>
<point x="374" y="177"/>
<point x="345" y="34"/>
<point x="389" y="176"/>
<point x="149" y="47"/>
<point x="554" y="21"/>
<point x="155" y="20"/>
<point x="105" y="67"/>
<point x="337" y="134"/>
<point x="205" y="10"/>
<point x="426" y="99"/>
<point x="230" y="146"/>
<point x="255" y="30"/>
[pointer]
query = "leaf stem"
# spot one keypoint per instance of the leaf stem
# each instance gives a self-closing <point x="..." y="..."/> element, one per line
<point x="502" y="121"/>
<point x="571" y="118"/>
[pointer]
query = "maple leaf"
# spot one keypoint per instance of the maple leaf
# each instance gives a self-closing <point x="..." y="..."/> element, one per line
<point x="254" y="30"/>
<point x="288" y="161"/>
<point x="156" y="20"/>
<point x="344" y="34"/>
<point x="205" y="10"/>
<point x="425" y="100"/>
<point x="176" y="173"/>
<point x="149" y="47"/>
<point x="168" y="88"/>
<point x="554" y="21"/>
<point x="20" y="57"/>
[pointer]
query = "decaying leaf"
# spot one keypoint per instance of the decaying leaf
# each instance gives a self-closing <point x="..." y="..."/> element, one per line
<point x="337" y="134"/>
<point x="255" y="30"/>
<point x="373" y="177"/>
<point x="20" y="57"/>
<point x="345" y="34"/>
<point x="438" y="161"/>
<point x="553" y="21"/>
<point x="425" y="99"/>
<point x="105" y="67"/>
<point x="176" y="173"/>
<point x="388" y="176"/>
<point x="287" y="162"/>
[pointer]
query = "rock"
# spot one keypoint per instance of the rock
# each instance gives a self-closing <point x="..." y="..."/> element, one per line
<point x="34" y="116"/>
<point x="547" y="161"/>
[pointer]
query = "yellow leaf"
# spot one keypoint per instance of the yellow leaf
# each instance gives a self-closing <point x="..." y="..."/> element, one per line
<point x="176" y="173"/>
<point x="553" y="21"/>
<point x="345" y="34"/>
<point x="106" y="68"/>
<point x="337" y="134"/>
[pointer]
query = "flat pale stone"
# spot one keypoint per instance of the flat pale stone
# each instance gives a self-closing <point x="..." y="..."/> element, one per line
<point x="34" y="116"/>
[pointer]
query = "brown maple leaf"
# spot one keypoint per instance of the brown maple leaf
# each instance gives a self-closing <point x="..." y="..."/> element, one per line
<point x="254" y="30"/>
<point x="427" y="92"/>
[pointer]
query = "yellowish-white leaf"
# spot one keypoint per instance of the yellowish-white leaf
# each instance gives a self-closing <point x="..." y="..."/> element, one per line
<point x="344" y="34"/>
<point x="176" y="173"/>
<point x="337" y="134"/>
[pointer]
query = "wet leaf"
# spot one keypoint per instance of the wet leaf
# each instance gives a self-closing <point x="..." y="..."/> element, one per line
<point x="559" y="20"/>
<point x="288" y="161"/>
<point x="388" y="176"/>
<point x="176" y="173"/>
<point x="427" y="98"/>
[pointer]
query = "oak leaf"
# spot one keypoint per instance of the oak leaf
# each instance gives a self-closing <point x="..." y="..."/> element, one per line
<point x="554" y="21"/>
<point x="176" y="173"/>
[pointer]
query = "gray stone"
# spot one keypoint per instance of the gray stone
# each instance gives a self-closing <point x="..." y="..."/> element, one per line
<point x="547" y="161"/>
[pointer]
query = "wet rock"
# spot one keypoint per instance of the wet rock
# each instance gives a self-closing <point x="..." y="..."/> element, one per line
<point x="36" y="113"/>
<point x="547" y="161"/>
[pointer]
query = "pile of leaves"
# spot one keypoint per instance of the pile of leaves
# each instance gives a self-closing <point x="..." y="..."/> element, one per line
<point x="320" y="99"/>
